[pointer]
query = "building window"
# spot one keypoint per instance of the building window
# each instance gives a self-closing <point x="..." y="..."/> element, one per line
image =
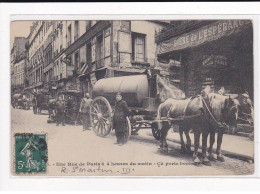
<point x="69" y="62"/>
<point x="76" y="30"/>
<point x="138" y="47"/>
<point x="69" y="36"/>
<point x="88" y="54"/>
<point x="76" y="59"/>
<point x="88" y="25"/>
<point x="99" y="47"/>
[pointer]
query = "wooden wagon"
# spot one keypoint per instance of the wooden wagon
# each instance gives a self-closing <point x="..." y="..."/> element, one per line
<point x="142" y="96"/>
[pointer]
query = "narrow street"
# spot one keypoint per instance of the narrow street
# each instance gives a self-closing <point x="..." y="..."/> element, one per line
<point x="70" y="144"/>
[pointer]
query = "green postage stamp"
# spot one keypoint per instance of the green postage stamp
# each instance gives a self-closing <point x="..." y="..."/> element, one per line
<point x="31" y="153"/>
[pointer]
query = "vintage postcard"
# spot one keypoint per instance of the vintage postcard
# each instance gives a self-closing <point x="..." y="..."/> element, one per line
<point x="132" y="97"/>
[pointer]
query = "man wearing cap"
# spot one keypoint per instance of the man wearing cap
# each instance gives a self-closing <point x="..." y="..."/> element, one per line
<point x="85" y="111"/>
<point x="119" y="119"/>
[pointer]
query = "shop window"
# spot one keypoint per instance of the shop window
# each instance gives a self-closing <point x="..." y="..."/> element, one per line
<point x="138" y="47"/>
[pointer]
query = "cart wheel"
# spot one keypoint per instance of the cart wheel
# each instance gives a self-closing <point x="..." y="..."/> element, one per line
<point x="101" y="116"/>
<point x="128" y="130"/>
<point x="156" y="132"/>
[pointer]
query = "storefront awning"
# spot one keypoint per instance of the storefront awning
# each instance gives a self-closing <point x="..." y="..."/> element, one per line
<point x="202" y="35"/>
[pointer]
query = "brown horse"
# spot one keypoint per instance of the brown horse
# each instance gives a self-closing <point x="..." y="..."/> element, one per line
<point x="245" y="113"/>
<point x="201" y="115"/>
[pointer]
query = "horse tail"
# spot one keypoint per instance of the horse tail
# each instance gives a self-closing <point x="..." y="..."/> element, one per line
<point x="158" y="118"/>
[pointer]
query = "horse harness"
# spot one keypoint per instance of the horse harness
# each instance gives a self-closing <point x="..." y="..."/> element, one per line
<point x="184" y="112"/>
<point x="219" y="124"/>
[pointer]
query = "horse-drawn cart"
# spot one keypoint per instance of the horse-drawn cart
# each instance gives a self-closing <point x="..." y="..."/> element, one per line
<point x="20" y="101"/>
<point x="40" y="102"/>
<point x="143" y="96"/>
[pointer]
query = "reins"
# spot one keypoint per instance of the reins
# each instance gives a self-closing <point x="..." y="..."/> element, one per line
<point x="212" y="116"/>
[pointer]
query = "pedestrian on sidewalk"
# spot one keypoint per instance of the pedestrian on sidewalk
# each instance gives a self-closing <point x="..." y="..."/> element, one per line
<point x="60" y="111"/>
<point x="84" y="110"/>
<point x="119" y="119"/>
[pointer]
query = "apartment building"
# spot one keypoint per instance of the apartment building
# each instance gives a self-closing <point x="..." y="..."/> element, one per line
<point x="73" y="55"/>
<point x="39" y="34"/>
<point x="18" y="57"/>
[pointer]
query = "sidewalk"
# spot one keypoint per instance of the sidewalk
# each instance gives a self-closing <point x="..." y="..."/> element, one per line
<point x="232" y="145"/>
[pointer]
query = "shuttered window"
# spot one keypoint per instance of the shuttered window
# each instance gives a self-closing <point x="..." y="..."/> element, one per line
<point x="138" y="47"/>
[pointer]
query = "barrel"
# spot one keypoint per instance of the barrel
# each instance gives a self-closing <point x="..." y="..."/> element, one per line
<point x="133" y="88"/>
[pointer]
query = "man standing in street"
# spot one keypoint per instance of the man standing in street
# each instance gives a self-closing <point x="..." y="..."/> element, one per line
<point x="85" y="111"/>
<point x="60" y="111"/>
<point x="119" y="119"/>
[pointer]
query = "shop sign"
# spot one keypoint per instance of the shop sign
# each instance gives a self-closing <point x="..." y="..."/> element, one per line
<point x="208" y="81"/>
<point x="214" y="60"/>
<point x="205" y="34"/>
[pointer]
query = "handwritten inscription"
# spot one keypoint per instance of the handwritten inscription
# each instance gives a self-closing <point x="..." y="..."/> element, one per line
<point x="110" y="168"/>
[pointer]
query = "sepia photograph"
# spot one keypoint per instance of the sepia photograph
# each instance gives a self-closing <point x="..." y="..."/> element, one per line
<point x="132" y="97"/>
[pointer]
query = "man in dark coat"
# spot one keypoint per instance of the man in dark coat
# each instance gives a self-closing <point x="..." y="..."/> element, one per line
<point x="84" y="110"/>
<point x="60" y="111"/>
<point x="119" y="119"/>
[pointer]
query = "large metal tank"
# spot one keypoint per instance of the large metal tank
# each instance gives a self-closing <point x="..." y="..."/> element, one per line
<point x="133" y="88"/>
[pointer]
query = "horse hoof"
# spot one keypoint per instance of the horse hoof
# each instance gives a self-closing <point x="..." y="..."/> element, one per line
<point x="196" y="160"/>
<point x="212" y="157"/>
<point x="220" y="158"/>
<point x="183" y="149"/>
<point x="206" y="162"/>
<point x="188" y="150"/>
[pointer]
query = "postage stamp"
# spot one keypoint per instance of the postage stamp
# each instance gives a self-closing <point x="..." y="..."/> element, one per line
<point x="31" y="153"/>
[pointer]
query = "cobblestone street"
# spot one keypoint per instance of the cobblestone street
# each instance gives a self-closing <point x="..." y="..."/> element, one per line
<point x="71" y="144"/>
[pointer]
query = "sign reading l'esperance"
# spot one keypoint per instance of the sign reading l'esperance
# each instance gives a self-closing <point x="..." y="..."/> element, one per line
<point x="207" y="33"/>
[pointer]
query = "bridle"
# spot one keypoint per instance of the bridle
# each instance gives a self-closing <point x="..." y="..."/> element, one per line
<point x="218" y="123"/>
